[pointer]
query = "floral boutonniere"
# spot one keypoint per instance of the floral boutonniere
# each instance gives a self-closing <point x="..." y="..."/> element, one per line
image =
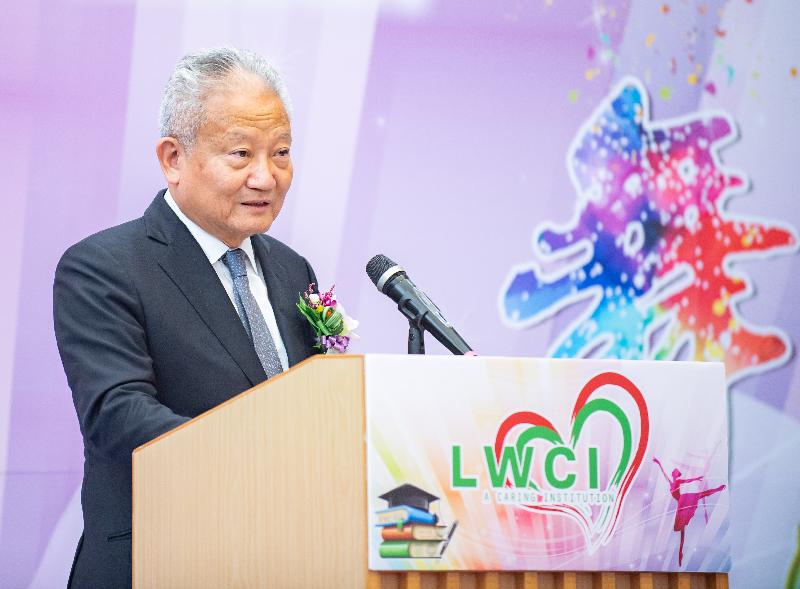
<point x="333" y="327"/>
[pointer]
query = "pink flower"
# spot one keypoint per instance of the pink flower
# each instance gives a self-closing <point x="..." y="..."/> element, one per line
<point x="328" y="298"/>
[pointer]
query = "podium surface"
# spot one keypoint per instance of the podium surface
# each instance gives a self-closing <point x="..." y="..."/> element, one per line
<point x="270" y="489"/>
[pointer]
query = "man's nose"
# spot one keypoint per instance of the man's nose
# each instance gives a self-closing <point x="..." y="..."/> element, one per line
<point x="262" y="175"/>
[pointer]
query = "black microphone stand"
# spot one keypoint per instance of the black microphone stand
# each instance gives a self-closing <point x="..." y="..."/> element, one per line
<point x="416" y="337"/>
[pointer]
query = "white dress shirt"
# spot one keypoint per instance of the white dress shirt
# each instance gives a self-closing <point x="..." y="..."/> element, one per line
<point x="214" y="249"/>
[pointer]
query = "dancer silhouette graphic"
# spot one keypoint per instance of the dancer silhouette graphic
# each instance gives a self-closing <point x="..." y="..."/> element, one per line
<point x="687" y="502"/>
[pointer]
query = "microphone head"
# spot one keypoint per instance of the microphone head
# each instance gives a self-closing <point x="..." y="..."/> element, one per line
<point x="377" y="266"/>
<point x="380" y="269"/>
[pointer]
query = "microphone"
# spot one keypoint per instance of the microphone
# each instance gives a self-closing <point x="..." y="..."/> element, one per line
<point x="393" y="281"/>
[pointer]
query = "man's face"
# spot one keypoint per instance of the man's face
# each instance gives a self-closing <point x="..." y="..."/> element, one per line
<point x="234" y="180"/>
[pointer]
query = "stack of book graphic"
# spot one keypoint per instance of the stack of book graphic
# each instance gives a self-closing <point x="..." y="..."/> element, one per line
<point x="415" y="540"/>
<point x="411" y="531"/>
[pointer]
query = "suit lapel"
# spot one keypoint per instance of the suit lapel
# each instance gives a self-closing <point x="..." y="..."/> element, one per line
<point x="186" y="264"/>
<point x="281" y="298"/>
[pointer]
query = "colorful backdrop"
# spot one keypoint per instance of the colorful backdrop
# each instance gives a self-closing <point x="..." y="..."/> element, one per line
<point x="602" y="178"/>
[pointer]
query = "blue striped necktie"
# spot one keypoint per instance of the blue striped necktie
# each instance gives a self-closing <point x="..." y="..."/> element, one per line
<point x="250" y="313"/>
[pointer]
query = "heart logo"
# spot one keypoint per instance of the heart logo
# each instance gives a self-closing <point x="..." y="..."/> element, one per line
<point x="597" y="527"/>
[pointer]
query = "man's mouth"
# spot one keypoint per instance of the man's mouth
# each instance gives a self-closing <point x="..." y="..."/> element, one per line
<point x="256" y="203"/>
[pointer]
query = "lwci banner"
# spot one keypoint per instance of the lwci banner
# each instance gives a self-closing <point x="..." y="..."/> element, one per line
<point x="546" y="464"/>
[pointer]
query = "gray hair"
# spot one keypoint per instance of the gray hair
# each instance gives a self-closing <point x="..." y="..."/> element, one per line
<point x="197" y="75"/>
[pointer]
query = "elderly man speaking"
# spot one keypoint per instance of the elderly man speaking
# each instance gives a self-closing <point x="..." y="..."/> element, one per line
<point x="162" y="318"/>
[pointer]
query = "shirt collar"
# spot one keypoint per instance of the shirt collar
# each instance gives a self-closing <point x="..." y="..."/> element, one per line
<point x="212" y="247"/>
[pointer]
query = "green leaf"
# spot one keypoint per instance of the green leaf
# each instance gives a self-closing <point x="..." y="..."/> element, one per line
<point x="311" y="315"/>
<point x="335" y="323"/>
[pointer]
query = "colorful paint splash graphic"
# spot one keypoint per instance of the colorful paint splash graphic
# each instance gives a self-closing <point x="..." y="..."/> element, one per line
<point x="651" y="246"/>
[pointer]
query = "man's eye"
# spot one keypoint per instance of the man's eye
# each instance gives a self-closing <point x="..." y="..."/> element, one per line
<point x="241" y="153"/>
<point x="283" y="152"/>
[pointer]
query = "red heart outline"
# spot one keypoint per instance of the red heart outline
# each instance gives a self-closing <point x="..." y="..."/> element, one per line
<point x="533" y="418"/>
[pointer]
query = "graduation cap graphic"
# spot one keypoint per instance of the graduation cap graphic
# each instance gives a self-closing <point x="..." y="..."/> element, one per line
<point x="408" y="528"/>
<point x="409" y="495"/>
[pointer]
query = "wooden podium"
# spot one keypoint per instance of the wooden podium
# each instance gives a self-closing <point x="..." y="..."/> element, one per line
<point x="269" y="490"/>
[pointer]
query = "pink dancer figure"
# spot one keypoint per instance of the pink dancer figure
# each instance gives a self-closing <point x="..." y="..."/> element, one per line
<point x="687" y="502"/>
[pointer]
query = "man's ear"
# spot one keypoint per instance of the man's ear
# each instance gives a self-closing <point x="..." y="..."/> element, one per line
<point x="171" y="157"/>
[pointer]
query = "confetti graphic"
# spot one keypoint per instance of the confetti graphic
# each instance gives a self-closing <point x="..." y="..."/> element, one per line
<point x="651" y="247"/>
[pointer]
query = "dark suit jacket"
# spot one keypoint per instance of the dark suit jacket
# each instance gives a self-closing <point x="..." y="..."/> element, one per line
<point x="149" y="338"/>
